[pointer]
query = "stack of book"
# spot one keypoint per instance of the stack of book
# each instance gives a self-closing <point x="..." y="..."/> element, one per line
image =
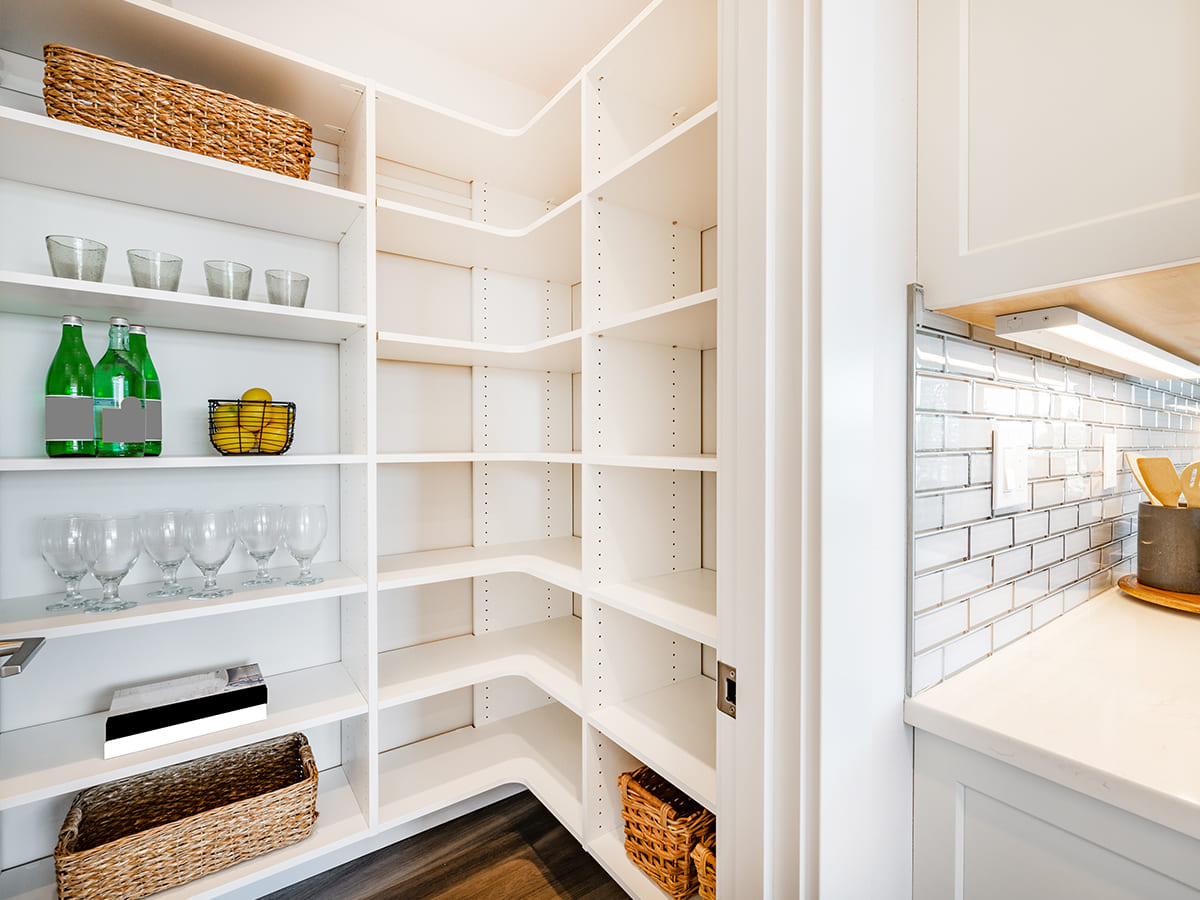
<point x="151" y="715"/>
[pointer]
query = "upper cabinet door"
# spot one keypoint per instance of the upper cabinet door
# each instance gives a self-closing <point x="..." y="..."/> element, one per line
<point x="1058" y="142"/>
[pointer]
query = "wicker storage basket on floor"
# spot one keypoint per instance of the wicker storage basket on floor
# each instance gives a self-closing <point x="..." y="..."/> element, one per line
<point x="662" y="825"/>
<point x="130" y="838"/>
<point x="114" y="96"/>
<point x="705" y="857"/>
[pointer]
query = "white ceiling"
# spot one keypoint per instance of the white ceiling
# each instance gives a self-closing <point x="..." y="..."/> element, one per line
<point x="538" y="44"/>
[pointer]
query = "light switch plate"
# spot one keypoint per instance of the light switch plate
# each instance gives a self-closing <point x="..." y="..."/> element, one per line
<point x="1109" y="463"/>
<point x="1010" y="468"/>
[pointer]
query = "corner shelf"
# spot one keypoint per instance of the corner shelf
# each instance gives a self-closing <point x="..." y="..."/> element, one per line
<point x="340" y="821"/>
<point x="555" y="354"/>
<point x="430" y="137"/>
<point x="556" y="560"/>
<point x="548" y="653"/>
<point x="674" y="731"/>
<point x="548" y="248"/>
<point x="28" y="615"/>
<point x="44" y="295"/>
<point x="684" y="602"/>
<point x="67" y="157"/>
<point x="540" y="749"/>
<point x="49" y="760"/>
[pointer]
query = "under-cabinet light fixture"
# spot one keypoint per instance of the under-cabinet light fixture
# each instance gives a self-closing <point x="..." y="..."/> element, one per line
<point x="1069" y="332"/>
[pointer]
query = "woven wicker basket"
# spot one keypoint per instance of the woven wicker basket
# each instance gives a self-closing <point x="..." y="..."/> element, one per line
<point x="142" y="834"/>
<point x="704" y="855"/>
<point x="114" y="96"/>
<point x="662" y="825"/>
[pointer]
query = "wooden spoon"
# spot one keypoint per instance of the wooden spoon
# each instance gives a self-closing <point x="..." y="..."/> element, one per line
<point x="1161" y="479"/>
<point x="1190" y="480"/>
<point x="1131" y="460"/>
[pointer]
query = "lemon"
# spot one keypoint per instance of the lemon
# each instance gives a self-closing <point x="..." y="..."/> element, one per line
<point x="278" y="416"/>
<point x="233" y="439"/>
<point x="273" y="438"/>
<point x="254" y="408"/>
<point x="225" y="416"/>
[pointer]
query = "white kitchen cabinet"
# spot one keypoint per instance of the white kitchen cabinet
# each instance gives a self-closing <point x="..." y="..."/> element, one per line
<point x="1057" y="162"/>
<point x="506" y="382"/>
<point x="983" y="829"/>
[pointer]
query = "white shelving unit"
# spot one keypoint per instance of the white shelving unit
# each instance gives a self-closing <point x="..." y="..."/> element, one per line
<point x="506" y="380"/>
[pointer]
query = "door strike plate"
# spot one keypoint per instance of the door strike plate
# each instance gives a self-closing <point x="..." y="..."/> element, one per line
<point x="727" y="689"/>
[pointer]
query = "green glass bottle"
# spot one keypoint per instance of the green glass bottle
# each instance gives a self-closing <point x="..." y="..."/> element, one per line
<point x="118" y="392"/>
<point x="139" y="353"/>
<point x="69" y="395"/>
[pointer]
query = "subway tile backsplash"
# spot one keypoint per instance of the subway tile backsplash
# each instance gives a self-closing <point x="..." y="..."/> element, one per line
<point x="983" y="581"/>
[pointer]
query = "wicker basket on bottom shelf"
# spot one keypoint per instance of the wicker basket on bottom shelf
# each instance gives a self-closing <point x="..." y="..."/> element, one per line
<point x="705" y="857"/>
<point x="662" y="825"/>
<point x="142" y="834"/>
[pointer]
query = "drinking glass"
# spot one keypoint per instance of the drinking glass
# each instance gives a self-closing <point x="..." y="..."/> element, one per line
<point x="227" y="279"/>
<point x="61" y="539"/>
<point x="162" y="536"/>
<point x="210" y="535"/>
<point x="75" y="257"/>
<point x="154" y="269"/>
<point x="286" y="288"/>
<point x="111" y="545"/>
<point x="260" y="527"/>
<point x="303" y="530"/>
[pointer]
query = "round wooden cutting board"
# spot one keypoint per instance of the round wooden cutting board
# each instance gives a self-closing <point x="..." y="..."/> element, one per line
<point x="1174" y="599"/>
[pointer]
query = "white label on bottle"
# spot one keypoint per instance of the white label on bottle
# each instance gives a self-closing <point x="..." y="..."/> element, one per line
<point x="125" y="424"/>
<point x="68" y="418"/>
<point x="154" y="420"/>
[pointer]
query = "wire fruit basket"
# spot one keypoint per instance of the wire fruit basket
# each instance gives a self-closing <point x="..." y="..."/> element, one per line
<point x="242" y="427"/>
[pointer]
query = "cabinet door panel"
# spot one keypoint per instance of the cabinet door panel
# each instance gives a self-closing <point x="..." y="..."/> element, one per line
<point x="1057" y="142"/>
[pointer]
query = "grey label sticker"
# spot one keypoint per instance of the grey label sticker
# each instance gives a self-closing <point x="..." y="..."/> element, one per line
<point x="124" y="425"/>
<point x="68" y="418"/>
<point x="154" y="420"/>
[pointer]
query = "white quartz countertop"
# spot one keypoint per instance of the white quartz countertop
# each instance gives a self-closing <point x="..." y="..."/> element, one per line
<point x="1104" y="700"/>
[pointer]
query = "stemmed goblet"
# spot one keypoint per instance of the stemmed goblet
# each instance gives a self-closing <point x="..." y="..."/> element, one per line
<point x="162" y="536"/>
<point x="210" y="535"/>
<point x="61" y="540"/>
<point x="260" y="526"/>
<point x="111" y="545"/>
<point x="303" y="531"/>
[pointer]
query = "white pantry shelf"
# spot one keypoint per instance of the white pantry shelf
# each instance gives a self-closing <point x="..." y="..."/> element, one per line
<point x="68" y="157"/>
<point x="683" y="602"/>
<point x="541" y="749"/>
<point x="695" y="462"/>
<point x="539" y="160"/>
<point x="57" y="758"/>
<point x="27" y="294"/>
<point x="547" y="249"/>
<point x="674" y="731"/>
<point x="481" y="456"/>
<point x="673" y="178"/>
<point x="548" y="653"/>
<point x="555" y="354"/>
<point x="215" y="461"/>
<point x="556" y="560"/>
<point x="27" y="616"/>
<point x="340" y="822"/>
<point x="686" y="322"/>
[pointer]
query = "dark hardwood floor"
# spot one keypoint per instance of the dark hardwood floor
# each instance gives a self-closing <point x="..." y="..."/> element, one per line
<point x="511" y="850"/>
